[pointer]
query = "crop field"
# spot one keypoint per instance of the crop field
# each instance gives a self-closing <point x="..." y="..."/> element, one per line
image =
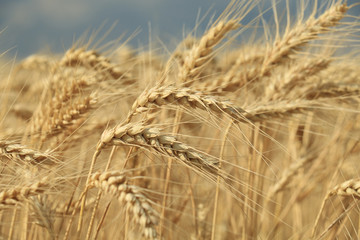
<point x="244" y="131"/>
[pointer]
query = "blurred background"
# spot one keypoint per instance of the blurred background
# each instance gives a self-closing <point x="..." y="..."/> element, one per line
<point x="52" y="26"/>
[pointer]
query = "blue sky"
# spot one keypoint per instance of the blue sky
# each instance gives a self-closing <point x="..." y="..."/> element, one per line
<point x="30" y="26"/>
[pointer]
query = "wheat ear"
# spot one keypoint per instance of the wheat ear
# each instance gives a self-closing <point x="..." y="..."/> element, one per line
<point x="185" y="97"/>
<point x="288" y="174"/>
<point x="332" y="90"/>
<point x="302" y="34"/>
<point x="115" y="183"/>
<point x="350" y="188"/>
<point x="68" y="116"/>
<point x="295" y="77"/>
<point x="19" y="194"/>
<point x="41" y="63"/>
<point x="91" y="59"/>
<point x="278" y="109"/>
<point x="17" y="151"/>
<point x="279" y="51"/>
<point x="56" y="99"/>
<point x="200" y="54"/>
<point x="136" y="134"/>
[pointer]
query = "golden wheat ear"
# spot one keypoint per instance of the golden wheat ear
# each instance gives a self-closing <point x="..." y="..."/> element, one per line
<point x="21" y="193"/>
<point x="243" y="133"/>
<point x="301" y="34"/>
<point x="20" y="152"/>
<point x="136" y="134"/>
<point x="91" y="59"/>
<point x="348" y="189"/>
<point x="200" y="54"/>
<point x="185" y="97"/>
<point x="280" y="51"/>
<point x="115" y="183"/>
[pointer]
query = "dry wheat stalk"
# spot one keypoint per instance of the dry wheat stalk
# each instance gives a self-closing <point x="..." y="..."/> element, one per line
<point x="17" y="151"/>
<point x="185" y="97"/>
<point x="115" y="183"/>
<point x="288" y="174"/>
<point x="68" y="208"/>
<point x="136" y="134"/>
<point x="19" y="194"/>
<point x="200" y="54"/>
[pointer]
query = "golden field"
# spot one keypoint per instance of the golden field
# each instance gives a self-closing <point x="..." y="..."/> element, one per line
<point x="219" y="139"/>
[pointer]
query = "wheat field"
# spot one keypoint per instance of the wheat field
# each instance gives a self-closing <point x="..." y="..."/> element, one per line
<point x="219" y="139"/>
